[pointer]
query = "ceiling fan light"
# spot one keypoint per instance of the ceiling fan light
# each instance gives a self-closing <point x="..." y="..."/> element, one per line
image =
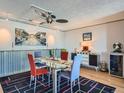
<point x="49" y="20"/>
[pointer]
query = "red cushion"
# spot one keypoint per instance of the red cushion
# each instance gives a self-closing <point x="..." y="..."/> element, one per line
<point x="34" y="71"/>
<point x="40" y="72"/>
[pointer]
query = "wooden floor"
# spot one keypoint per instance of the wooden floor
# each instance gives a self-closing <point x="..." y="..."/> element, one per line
<point x="101" y="77"/>
<point x="1" y="91"/>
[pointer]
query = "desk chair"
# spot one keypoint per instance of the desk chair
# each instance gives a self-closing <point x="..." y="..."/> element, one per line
<point x="74" y="73"/>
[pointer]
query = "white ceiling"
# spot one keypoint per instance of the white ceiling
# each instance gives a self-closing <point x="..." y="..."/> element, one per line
<point x="78" y="12"/>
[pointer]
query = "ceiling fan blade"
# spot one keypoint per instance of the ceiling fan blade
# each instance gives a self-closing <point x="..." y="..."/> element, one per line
<point x="62" y="20"/>
<point x="42" y="14"/>
<point x="30" y="20"/>
<point x="39" y="8"/>
<point x="53" y="16"/>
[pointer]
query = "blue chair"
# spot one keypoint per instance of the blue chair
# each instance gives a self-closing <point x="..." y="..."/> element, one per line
<point x="74" y="73"/>
<point x="37" y="54"/>
<point x="38" y="62"/>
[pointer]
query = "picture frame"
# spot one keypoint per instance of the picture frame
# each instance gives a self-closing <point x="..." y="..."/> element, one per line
<point x="25" y="38"/>
<point x="87" y="36"/>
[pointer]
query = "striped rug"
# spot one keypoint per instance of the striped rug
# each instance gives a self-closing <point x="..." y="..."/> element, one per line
<point x="19" y="83"/>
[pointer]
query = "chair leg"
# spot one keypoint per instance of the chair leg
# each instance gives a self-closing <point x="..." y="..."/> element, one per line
<point x="71" y="87"/>
<point x="42" y="77"/>
<point x="68" y="81"/>
<point x="50" y="70"/>
<point x="31" y="80"/>
<point x="49" y="79"/>
<point x="38" y="77"/>
<point x="59" y="83"/>
<point x="79" y="83"/>
<point x="74" y="83"/>
<point x="35" y="79"/>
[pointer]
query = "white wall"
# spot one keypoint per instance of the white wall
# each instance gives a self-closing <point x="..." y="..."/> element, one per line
<point x="115" y="33"/>
<point x="103" y="38"/>
<point x="98" y="43"/>
<point x="7" y="36"/>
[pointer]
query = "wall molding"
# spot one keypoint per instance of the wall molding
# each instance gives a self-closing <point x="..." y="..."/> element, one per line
<point x="114" y="21"/>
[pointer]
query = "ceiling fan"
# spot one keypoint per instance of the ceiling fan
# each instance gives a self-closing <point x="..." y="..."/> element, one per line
<point x="46" y="15"/>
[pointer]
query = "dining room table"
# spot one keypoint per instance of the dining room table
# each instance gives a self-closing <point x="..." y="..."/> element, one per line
<point x="56" y="65"/>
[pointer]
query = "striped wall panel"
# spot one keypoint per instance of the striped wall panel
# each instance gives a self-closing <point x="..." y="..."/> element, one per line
<point x="12" y="62"/>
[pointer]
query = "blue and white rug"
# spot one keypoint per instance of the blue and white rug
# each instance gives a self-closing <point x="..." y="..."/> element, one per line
<point x="19" y="83"/>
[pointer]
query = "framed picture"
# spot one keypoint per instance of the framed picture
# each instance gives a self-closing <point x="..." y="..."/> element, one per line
<point x="22" y="37"/>
<point x="87" y="36"/>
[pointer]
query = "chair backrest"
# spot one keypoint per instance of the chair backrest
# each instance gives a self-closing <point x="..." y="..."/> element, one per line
<point x="37" y="54"/>
<point x="32" y="64"/>
<point x="73" y="55"/>
<point x="75" y="70"/>
<point x="64" y="55"/>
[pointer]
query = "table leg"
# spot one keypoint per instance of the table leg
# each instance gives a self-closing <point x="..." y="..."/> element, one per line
<point x="54" y="80"/>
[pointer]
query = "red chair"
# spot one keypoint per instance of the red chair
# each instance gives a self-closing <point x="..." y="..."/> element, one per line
<point x="64" y="55"/>
<point x="35" y="72"/>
